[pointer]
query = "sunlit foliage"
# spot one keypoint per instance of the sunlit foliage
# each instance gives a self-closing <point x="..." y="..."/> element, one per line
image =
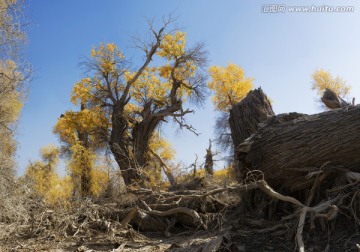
<point x="100" y="179"/>
<point x="92" y="121"/>
<point x="44" y="179"/>
<point x="162" y="147"/>
<point x="229" y="84"/>
<point x="88" y="176"/>
<point x="323" y="79"/>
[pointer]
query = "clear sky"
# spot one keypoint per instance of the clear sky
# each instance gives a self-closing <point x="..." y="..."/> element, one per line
<point x="279" y="50"/>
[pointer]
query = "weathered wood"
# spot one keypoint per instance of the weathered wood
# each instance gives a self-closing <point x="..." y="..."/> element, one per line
<point x="332" y="100"/>
<point x="287" y="146"/>
<point x="209" y="163"/>
<point x="246" y="115"/>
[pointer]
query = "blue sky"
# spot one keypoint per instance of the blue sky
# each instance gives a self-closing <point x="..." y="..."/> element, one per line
<point x="279" y="50"/>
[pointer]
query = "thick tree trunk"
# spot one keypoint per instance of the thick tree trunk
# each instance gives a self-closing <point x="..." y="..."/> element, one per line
<point x="246" y="115"/>
<point x="244" y="121"/>
<point x="142" y="133"/>
<point x="119" y="146"/>
<point x="290" y="146"/>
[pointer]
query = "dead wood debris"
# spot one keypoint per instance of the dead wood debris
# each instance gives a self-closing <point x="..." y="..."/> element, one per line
<point x="174" y="214"/>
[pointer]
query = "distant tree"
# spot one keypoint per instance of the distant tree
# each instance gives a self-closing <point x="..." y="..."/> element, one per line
<point x="137" y="102"/>
<point x="81" y="134"/>
<point x="229" y="85"/>
<point x="44" y="180"/>
<point x="323" y="79"/>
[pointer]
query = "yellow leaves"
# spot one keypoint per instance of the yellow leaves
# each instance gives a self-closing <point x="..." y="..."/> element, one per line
<point x="6" y="4"/>
<point x="173" y="46"/>
<point x="82" y="91"/>
<point x="106" y="56"/>
<point x="10" y="107"/>
<point x="50" y="154"/>
<point x="47" y="184"/>
<point x="10" y="102"/>
<point x="99" y="180"/>
<point x="323" y="79"/>
<point x="161" y="147"/>
<point x="148" y="86"/>
<point x="82" y="163"/>
<point x="89" y="121"/>
<point x="60" y="191"/>
<point x="229" y="85"/>
<point x="81" y="158"/>
<point x="165" y="71"/>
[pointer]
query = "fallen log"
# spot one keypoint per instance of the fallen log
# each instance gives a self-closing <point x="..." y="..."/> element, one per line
<point x="289" y="146"/>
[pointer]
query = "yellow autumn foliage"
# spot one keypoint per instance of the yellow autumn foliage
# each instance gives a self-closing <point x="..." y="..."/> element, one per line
<point x="105" y="55"/>
<point x="87" y="120"/>
<point x="46" y="183"/>
<point x="99" y="180"/>
<point x="229" y="84"/>
<point x="323" y="79"/>
<point x="219" y="176"/>
<point x="10" y="102"/>
<point x="81" y="91"/>
<point x="148" y="86"/>
<point x="60" y="191"/>
<point x="161" y="147"/>
<point x="173" y="46"/>
<point x="82" y="161"/>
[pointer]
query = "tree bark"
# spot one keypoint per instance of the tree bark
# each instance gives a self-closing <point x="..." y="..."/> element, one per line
<point x="246" y="115"/>
<point x="244" y="120"/>
<point x="289" y="146"/>
<point x="209" y="162"/>
<point x="142" y="133"/>
<point x="119" y="146"/>
<point x="166" y="169"/>
<point x="85" y="178"/>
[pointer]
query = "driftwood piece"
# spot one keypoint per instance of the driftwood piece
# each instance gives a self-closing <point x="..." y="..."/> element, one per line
<point x="282" y="148"/>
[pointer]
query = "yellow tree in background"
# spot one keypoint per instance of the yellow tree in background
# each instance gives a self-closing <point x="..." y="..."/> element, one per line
<point x="46" y="183"/>
<point x="229" y="84"/>
<point x="323" y="79"/>
<point x="81" y="133"/>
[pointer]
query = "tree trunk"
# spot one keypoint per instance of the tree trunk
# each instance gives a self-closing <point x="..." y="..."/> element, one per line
<point x="244" y="120"/>
<point x="119" y="146"/>
<point x="290" y="146"/>
<point x="246" y="115"/>
<point x="85" y="178"/>
<point x="166" y="169"/>
<point x="142" y="133"/>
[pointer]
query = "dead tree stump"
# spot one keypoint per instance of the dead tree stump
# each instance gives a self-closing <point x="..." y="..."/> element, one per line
<point x="209" y="162"/>
<point x="245" y="117"/>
